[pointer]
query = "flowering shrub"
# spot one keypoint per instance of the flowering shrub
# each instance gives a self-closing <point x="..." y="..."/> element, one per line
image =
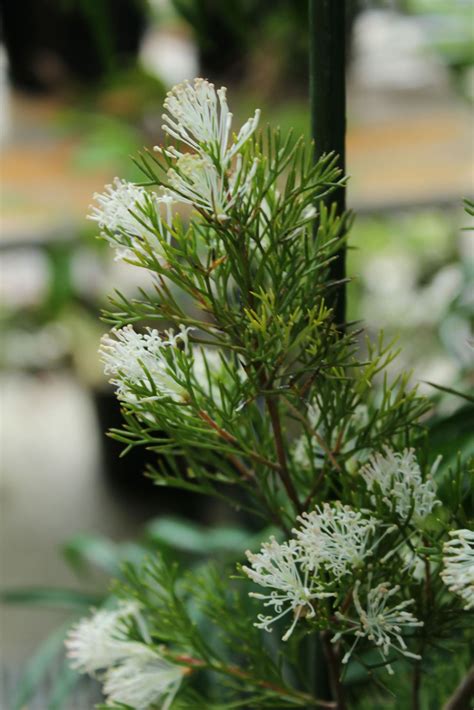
<point x="369" y="556"/>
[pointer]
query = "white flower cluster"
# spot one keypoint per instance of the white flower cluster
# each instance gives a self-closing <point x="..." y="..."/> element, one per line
<point x="380" y="623"/>
<point x="133" y="220"/>
<point x="458" y="565"/>
<point x="331" y="542"/>
<point x="134" y="359"/>
<point x="137" y="222"/>
<point x="294" y="588"/>
<point x="335" y="537"/>
<point x="132" y="673"/>
<point x="144" y="367"/>
<point x="395" y="480"/>
<point x="199" y="117"/>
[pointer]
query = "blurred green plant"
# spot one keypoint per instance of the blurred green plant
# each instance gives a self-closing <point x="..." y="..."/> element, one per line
<point x="264" y="44"/>
<point x="416" y="277"/>
<point x="451" y="35"/>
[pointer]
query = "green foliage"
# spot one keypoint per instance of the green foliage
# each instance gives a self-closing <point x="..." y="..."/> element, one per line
<point x="266" y="394"/>
<point x="247" y="390"/>
<point x="204" y="622"/>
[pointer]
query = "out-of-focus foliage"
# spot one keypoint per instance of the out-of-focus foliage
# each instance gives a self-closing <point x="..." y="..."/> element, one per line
<point x="262" y="42"/>
<point x="451" y="32"/>
<point x="47" y="52"/>
<point x="415" y="276"/>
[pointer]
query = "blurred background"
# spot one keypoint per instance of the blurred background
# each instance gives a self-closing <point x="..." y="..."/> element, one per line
<point x="81" y="89"/>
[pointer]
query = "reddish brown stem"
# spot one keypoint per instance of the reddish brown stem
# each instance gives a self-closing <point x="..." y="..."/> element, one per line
<point x="245" y="472"/>
<point x="464" y="693"/>
<point x="281" y="455"/>
<point x="334" y="668"/>
<point x="195" y="663"/>
<point x="232" y="440"/>
<point x="314" y="489"/>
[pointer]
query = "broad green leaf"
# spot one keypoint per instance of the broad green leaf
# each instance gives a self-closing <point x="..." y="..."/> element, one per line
<point x="184" y="535"/>
<point x="51" y="597"/>
<point x="178" y="534"/>
<point x="84" y="550"/>
<point x="228" y="539"/>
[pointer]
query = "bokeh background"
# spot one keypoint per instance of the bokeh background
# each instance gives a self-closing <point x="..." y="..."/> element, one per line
<point x="82" y="84"/>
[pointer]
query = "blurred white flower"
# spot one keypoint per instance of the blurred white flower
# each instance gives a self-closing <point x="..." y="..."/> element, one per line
<point x="208" y="370"/>
<point x="397" y="477"/>
<point x="25" y="277"/>
<point x="132" y="358"/>
<point x="308" y="452"/>
<point x="294" y="588"/>
<point x="98" y="641"/>
<point x="379" y="623"/>
<point x="142" y="679"/>
<point x="199" y="116"/>
<point x="336" y="537"/>
<point x="458" y="565"/>
<point x="132" y="219"/>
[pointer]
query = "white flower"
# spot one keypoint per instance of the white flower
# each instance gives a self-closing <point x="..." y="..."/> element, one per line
<point x="195" y="180"/>
<point x="458" y="565"/>
<point x="142" y="359"/>
<point x="131" y="219"/>
<point x="397" y="478"/>
<point x="335" y="537"/>
<point x="98" y="641"/>
<point x="142" y="679"/>
<point x="294" y="589"/>
<point x="198" y="116"/>
<point x="411" y="561"/>
<point x="330" y="542"/>
<point x="379" y="623"/>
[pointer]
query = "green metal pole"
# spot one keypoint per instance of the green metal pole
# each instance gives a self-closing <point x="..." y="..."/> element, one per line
<point x="327" y="90"/>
